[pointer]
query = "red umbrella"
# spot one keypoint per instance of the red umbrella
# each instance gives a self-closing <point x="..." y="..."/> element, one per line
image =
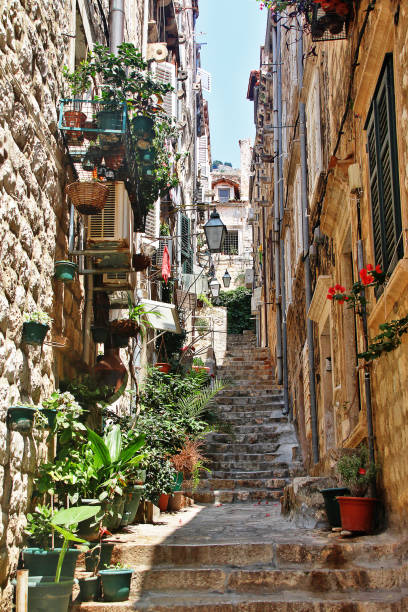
<point x="166" y="266"/>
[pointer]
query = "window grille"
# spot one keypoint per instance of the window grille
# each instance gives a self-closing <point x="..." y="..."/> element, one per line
<point x="231" y="243"/>
<point x="224" y="194"/>
<point x="383" y="168"/>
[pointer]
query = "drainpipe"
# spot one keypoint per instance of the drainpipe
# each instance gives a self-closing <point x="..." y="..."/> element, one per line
<point x="281" y="241"/>
<point x="276" y="258"/>
<point x="266" y="297"/>
<point x="116" y="24"/>
<point x="306" y="259"/>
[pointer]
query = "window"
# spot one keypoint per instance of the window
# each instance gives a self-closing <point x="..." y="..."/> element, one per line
<point x="383" y="168"/>
<point x="314" y="137"/>
<point x="288" y="269"/>
<point x="231" y="243"/>
<point x="224" y="194"/>
<point x="297" y="215"/>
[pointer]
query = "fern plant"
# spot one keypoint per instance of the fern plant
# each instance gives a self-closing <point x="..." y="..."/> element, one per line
<point x="196" y="404"/>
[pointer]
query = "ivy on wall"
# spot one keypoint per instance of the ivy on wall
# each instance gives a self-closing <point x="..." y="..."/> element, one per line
<point x="238" y="305"/>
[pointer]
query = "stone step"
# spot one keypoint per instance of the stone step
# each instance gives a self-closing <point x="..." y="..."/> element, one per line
<point x="247" y="438"/>
<point x="236" y="391"/>
<point x="236" y="450"/>
<point x="190" y="601"/>
<point x="215" y="484"/>
<point x="275" y="472"/>
<point x="255" y="417"/>
<point x="225" y="496"/>
<point x="273" y="409"/>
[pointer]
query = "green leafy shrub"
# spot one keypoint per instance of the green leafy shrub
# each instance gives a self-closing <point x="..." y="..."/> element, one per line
<point x="356" y="471"/>
<point x="238" y="304"/>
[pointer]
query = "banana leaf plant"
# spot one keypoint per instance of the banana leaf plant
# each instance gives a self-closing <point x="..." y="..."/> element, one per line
<point x="112" y="461"/>
<point x="70" y="517"/>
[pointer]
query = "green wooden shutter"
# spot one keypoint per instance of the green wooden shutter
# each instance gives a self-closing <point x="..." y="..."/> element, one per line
<point x="186" y="250"/>
<point x="383" y="166"/>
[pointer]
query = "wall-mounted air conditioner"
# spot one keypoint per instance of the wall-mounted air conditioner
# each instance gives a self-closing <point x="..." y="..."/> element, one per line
<point x="164" y="241"/>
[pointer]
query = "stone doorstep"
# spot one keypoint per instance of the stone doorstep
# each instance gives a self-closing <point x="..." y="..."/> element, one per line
<point x="242" y="495"/>
<point x="359" y="601"/>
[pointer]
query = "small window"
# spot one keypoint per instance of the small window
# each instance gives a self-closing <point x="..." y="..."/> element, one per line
<point x="224" y="194"/>
<point x="383" y="168"/>
<point x="231" y="243"/>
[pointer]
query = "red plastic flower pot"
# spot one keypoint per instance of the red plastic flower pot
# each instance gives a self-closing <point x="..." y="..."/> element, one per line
<point x="357" y="513"/>
<point x="163" y="502"/>
<point x="163" y="367"/>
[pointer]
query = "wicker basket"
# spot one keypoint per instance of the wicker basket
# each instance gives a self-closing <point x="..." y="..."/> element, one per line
<point x="89" y="198"/>
<point x="125" y="327"/>
<point x="140" y="262"/>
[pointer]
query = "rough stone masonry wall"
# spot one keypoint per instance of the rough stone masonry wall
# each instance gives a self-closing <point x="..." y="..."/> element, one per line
<point x="33" y="220"/>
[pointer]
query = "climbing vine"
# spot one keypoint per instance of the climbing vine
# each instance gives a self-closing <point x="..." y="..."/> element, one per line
<point x="238" y="304"/>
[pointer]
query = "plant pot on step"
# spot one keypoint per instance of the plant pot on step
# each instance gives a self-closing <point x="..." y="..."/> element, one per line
<point x="133" y="495"/>
<point x="98" y="557"/>
<point x="89" y="588"/>
<point x="357" y="513"/>
<point x="88" y="197"/>
<point x="176" y="501"/>
<point x="65" y="270"/>
<point x="163" y="367"/>
<point x="178" y="481"/>
<point x="115" y="584"/>
<point x="21" y="418"/>
<point x="34" y="333"/>
<point x="164" y="502"/>
<point x="42" y="562"/>
<point x="332" y="505"/>
<point x="45" y="594"/>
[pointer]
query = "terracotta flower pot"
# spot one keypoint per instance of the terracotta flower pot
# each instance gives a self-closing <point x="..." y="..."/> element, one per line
<point x="163" y="367"/>
<point x="164" y="502"/>
<point x="357" y="513"/>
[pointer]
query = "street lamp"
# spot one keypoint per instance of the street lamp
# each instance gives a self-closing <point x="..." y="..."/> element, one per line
<point x="215" y="287"/>
<point x="226" y="279"/>
<point x="215" y="232"/>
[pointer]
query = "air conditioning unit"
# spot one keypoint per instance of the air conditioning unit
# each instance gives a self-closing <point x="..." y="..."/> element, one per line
<point x="164" y="241"/>
<point x="115" y="278"/>
<point x="182" y="75"/>
<point x="157" y="52"/>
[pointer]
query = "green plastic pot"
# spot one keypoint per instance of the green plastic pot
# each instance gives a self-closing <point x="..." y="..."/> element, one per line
<point x="110" y="120"/>
<point x="50" y="414"/>
<point x="89" y="588"/>
<point x="332" y="505"/>
<point x="115" y="584"/>
<point x="21" y="418"/>
<point x="142" y="126"/>
<point x="178" y="481"/>
<point x="117" y="506"/>
<point x="65" y="271"/>
<point x="87" y="530"/>
<point x="45" y="595"/>
<point x="42" y="562"/>
<point x="34" y="333"/>
<point x="97" y="558"/>
<point x="132" y="500"/>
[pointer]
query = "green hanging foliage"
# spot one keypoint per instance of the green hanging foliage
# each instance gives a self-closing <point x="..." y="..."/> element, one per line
<point x="238" y="304"/>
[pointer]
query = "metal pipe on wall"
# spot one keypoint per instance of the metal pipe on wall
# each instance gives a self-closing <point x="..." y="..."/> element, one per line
<point x="306" y="259"/>
<point x="116" y="24"/>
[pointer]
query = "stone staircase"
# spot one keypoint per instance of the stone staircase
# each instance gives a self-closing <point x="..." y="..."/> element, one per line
<point x="255" y="459"/>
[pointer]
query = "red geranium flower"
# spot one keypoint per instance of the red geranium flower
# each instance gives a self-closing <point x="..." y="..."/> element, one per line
<point x="346" y="297"/>
<point x="329" y="296"/>
<point x="332" y="290"/>
<point x="363" y="273"/>
<point x="378" y="269"/>
<point x="341" y="301"/>
<point x="369" y="268"/>
<point x="342" y="289"/>
<point x="362" y="471"/>
<point x="338" y="287"/>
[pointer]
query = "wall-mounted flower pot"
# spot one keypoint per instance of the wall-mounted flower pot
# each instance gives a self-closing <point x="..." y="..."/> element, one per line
<point x="164" y="502"/>
<point x="357" y="513"/>
<point x="34" y="333"/>
<point x="332" y="505"/>
<point x="21" y="418"/>
<point x="132" y="500"/>
<point x="50" y="414"/>
<point x="99" y="333"/>
<point x="163" y="367"/>
<point x="98" y="557"/>
<point x="89" y="588"/>
<point x="178" y="481"/>
<point x="42" y="562"/>
<point x="88" y="197"/>
<point x="125" y="327"/>
<point x="140" y="262"/>
<point x="45" y="594"/>
<point x="119" y="341"/>
<point x="65" y="271"/>
<point x="116" y="584"/>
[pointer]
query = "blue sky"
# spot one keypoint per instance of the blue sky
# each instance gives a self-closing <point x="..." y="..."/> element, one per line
<point x="234" y="31"/>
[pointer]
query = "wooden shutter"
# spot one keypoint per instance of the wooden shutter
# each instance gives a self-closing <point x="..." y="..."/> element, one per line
<point x="166" y="73"/>
<point x="383" y="167"/>
<point x="186" y="250"/>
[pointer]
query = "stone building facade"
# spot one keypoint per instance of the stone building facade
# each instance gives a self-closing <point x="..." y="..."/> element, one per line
<point x="327" y="205"/>
<point x="37" y="39"/>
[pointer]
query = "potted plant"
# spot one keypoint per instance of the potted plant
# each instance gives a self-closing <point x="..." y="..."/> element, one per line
<point x="163" y="366"/>
<point x="35" y="327"/>
<point x="189" y="461"/>
<point x="21" y="418"/>
<point x="93" y="156"/>
<point x="199" y="365"/>
<point x="49" y="589"/>
<point x="332" y="505"/>
<point x="78" y="81"/>
<point x="135" y="324"/>
<point x="116" y="582"/>
<point x="357" y="472"/>
<point x="64" y="270"/>
<point x="202" y="326"/>
<point x="88" y="197"/>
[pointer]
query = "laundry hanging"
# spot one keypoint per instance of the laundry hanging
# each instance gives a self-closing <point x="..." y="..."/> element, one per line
<point x="166" y="266"/>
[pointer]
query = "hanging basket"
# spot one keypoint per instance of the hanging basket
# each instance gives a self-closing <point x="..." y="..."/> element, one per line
<point x="89" y="198"/>
<point x="125" y="327"/>
<point x="140" y="262"/>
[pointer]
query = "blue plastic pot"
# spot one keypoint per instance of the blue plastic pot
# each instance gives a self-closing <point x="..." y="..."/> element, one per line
<point x="65" y="270"/>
